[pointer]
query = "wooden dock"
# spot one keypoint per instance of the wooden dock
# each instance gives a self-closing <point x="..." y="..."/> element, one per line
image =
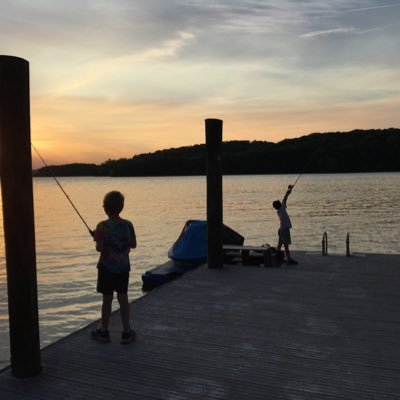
<point x="328" y="328"/>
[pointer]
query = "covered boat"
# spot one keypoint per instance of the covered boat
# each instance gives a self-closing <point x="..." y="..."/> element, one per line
<point x="191" y="245"/>
<point x="188" y="252"/>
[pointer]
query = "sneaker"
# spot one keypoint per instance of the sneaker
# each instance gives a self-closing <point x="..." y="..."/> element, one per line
<point x="292" y="262"/>
<point x="101" y="336"/>
<point x="127" y="337"/>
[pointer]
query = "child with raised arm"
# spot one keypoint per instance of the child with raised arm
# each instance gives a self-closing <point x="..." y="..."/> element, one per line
<point x="114" y="238"/>
<point x="285" y="226"/>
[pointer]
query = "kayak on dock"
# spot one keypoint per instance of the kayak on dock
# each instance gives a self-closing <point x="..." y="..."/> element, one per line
<point x="164" y="273"/>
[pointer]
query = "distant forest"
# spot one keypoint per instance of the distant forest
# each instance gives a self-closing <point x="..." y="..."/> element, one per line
<point x="374" y="150"/>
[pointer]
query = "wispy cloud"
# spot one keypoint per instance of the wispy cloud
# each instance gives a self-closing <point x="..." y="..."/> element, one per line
<point x="329" y="32"/>
<point x="95" y="71"/>
<point x="168" y="49"/>
<point x="373" y="7"/>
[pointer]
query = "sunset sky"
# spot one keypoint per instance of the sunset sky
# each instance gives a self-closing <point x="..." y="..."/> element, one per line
<point x="114" y="78"/>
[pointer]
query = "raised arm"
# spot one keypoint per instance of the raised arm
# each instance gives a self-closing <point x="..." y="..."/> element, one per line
<point x="287" y="194"/>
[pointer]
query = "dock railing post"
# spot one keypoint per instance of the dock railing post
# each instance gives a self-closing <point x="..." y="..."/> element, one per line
<point x="325" y="244"/>
<point x="214" y="193"/>
<point x="19" y="231"/>
<point x="348" y="244"/>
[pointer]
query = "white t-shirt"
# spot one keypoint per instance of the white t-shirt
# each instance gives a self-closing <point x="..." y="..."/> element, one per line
<point x="284" y="217"/>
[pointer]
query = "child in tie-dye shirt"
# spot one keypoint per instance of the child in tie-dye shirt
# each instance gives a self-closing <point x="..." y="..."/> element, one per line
<point x="114" y="238"/>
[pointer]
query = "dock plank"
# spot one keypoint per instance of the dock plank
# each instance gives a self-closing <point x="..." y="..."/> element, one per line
<point x="328" y="328"/>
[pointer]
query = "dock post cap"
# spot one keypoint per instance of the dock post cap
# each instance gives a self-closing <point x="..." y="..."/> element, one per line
<point x="12" y="57"/>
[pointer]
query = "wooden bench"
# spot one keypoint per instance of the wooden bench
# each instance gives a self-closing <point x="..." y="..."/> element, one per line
<point x="251" y="255"/>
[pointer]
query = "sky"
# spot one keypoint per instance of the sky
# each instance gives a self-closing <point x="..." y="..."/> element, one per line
<point x="115" y="78"/>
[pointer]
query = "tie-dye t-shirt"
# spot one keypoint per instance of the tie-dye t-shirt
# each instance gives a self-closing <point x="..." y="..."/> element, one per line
<point x="113" y="239"/>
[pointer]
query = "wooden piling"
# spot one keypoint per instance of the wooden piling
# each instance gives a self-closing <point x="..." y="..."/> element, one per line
<point x="19" y="232"/>
<point x="214" y="192"/>
<point x="348" y="245"/>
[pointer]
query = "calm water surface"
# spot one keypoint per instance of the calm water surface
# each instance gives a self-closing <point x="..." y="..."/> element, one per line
<point x="365" y="205"/>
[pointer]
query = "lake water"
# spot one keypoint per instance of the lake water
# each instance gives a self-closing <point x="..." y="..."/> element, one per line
<point x="365" y="205"/>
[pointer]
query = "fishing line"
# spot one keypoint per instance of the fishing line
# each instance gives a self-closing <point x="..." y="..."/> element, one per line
<point x="59" y="185"/>
<point x="305" y="166"/>
<point x="302" y="171"/>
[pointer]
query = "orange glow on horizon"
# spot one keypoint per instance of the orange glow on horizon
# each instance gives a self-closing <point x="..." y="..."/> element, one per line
<point x="89" y="130"/>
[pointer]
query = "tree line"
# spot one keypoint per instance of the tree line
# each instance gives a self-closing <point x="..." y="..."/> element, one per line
<point x="374" y="150"/>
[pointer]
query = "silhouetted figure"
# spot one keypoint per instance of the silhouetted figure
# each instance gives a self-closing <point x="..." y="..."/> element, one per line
<point x="285" y="226"/>
<point x="114" y="238"/>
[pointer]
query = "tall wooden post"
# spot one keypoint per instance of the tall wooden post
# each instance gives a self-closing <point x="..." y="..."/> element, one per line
<point x="214" y="192"/>
<point x="19" y="232"/>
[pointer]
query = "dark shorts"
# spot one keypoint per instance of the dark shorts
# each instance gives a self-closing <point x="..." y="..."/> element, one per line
<point x="284" y="236"/>
<point x="108" y="282"/>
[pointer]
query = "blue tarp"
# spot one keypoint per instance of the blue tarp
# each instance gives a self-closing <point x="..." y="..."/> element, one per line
<point x="191" y="245"/>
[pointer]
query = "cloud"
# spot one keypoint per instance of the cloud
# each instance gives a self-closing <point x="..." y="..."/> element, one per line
<point x="329" y="32"/>
<point x="92" y="72"/>
<point x="169" y="48"/>
<point x="114" y="68"/>
<point x="373" y="7"/>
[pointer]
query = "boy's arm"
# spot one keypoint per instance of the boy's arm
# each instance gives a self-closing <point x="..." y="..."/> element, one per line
<point x="98" y="243"/>
<point x="133" y="239"/>
<point x="287" y="194"/>
<point x="98" y="237"/>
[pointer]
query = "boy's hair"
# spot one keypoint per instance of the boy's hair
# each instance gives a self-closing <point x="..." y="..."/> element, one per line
<point x="277" y="204"/>
<point x="113" y="202"/>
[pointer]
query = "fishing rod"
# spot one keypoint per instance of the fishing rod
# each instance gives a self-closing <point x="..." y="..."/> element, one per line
<point x="294" y="184"/>
<point x="62" y="189"/>
<point x="301" y="173"/>
<point x="304" y="168"/>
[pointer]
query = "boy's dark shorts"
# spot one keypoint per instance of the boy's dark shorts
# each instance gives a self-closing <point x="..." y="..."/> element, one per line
<point x="284" y="236"/>
<point x="108" y="282"/>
